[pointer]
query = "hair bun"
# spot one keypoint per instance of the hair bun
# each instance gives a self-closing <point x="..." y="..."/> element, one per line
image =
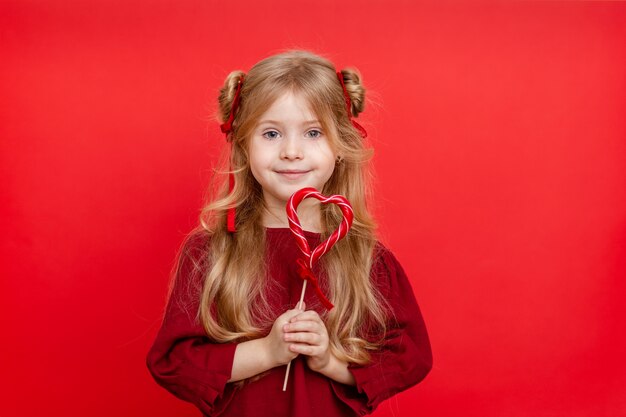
<point x="227" y="94"/>
<point x="356" y="91"/>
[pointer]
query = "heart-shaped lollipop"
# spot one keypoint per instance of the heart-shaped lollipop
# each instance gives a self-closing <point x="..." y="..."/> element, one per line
<point x="310" y="257"/>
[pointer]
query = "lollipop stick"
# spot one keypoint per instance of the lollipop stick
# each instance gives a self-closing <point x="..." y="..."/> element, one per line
<point x="306" y="271"/>
<point x="299" y="305"/>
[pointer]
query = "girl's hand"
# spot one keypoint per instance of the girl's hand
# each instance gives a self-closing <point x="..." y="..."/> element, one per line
<point x="277" y="348"/>
<point x="307" y="335"/>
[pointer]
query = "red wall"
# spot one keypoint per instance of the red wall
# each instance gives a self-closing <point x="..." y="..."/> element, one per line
<point x="501" y="157"/>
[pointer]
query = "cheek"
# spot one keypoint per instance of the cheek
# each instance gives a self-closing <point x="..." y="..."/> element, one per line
<point x="331" y="159"/>
<point x="255" y="166"/>
<point x="331" y="171"/>
<point x="257" y="158"/>
<point x="329" y="166"/>
<point x="324" y="152"/>
<point x="256" y="169"/>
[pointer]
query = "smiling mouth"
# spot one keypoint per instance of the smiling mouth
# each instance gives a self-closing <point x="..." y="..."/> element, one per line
<point x="292" y="174"/>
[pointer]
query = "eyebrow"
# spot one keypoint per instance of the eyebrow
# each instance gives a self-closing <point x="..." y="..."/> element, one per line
<point x="276" y="122"/>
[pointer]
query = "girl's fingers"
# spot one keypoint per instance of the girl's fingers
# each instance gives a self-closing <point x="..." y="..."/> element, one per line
<point x="304" y="349"/>
<point x="307" y="315"/>
<point x="308" y="338"/>
<point x="288" y="315"/>
<point x="303" y="326"/>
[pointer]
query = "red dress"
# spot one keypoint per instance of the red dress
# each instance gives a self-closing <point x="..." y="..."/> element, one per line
<point x="186" y="363"/>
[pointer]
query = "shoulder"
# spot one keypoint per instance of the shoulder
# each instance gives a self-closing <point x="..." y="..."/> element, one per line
<point x="196" y="243"/>
<point x="191" y="261"/>
<point x="193" y="250"/>
<point x="387" y="273"/>
<point x="383" y="260"/>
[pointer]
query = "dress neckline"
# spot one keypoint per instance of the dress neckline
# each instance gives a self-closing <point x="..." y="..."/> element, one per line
<point x="288" y="230"/>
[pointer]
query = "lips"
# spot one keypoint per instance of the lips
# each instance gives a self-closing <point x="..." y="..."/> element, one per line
<point x="292" y="174"/>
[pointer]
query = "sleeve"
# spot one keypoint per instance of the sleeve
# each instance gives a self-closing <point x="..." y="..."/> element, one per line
<point x="182" y="359"/>
<point x="405" y="357"/>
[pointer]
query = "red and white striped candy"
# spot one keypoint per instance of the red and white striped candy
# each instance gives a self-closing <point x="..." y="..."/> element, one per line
<point x="296" y="228"/>
<point x="311" y="257"/>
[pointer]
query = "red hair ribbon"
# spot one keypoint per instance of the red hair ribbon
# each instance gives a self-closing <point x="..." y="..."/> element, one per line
<point x="306" y="274"/>
<point x="357" y="126"/>
<point x="226" y="128"/>
<point x="228" y="125"/>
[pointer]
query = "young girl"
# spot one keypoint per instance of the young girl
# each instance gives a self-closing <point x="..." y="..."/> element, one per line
<point x="231" y="323"/>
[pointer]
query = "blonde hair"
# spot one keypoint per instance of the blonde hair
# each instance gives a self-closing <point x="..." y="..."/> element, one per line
<point x="233" y="303"/>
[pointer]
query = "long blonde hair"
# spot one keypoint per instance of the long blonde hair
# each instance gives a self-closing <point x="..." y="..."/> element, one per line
<point x="233" y="304"/>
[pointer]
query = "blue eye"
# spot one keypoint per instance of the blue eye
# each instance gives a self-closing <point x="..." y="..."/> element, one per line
<point x="316" y="131"/>
<point x="271" y="132"/>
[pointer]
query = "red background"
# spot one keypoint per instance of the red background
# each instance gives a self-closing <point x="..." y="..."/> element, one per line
<point x="499" y="132"/>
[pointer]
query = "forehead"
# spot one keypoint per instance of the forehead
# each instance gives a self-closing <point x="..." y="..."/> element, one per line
<point x="289" y="107"/>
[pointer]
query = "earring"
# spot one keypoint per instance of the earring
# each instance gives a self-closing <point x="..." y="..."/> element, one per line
<point x="339" y="160"/>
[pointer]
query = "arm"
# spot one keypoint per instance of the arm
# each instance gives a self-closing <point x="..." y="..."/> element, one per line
<point x="405" y="358"/>
<point x="251" y="358"/>
<point x="259" y="355"/>
<point x="337" y="370"/>
<point x="182" y="359"/>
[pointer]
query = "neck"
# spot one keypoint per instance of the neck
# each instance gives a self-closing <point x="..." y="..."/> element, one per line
<point x="309" y="214"/>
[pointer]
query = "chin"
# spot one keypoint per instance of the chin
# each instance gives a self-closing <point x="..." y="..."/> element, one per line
<point x="299" y="187"/>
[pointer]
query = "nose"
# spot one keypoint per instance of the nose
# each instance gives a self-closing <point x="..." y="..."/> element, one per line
<point x="291" y="148"/>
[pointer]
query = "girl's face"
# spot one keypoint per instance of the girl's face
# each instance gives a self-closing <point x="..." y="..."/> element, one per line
<point x="288" y="150"/>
